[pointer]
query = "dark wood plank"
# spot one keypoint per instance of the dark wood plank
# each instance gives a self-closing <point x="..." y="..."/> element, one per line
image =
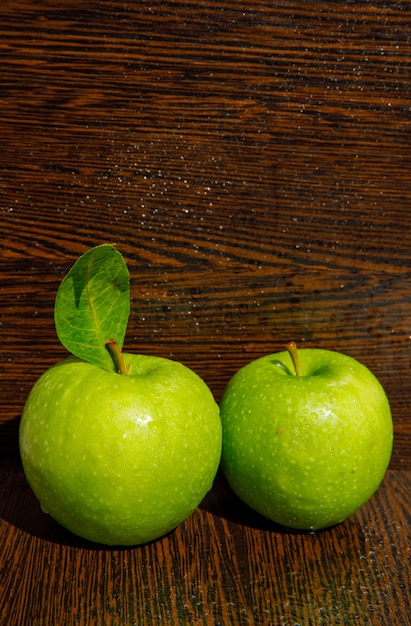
<point x="251" y="161"/>
<point x="240" y="571"/>
<point x="253" y="206"/>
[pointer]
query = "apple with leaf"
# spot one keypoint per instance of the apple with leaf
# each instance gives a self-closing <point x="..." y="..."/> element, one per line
<point x="119" y="448"/>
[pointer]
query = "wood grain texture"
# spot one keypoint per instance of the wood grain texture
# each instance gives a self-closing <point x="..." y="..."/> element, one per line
<point x="240" y="571"/>
<point x="251" y="161"/>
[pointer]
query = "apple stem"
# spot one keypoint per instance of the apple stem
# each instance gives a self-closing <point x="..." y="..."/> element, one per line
<point x="293" y="352"/>
<point x="117" y="355"/>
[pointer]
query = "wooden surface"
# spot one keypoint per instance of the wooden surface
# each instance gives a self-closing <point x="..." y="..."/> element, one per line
<point x="252" y="163"/>
<point x="222" y="566"/>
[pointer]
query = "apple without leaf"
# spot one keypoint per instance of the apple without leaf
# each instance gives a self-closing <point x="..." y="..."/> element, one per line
<point x="119" y="448"/>
<point x="307" y="436"/>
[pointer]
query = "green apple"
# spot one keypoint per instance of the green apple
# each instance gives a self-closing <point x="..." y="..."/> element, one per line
<point x="120" y="458"/>
<point x="307" y="436"/>
<point x="118" y="448"/>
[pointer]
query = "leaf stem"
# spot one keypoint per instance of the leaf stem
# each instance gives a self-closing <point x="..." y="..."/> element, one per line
<point x="293" y="352"/>
<point x="117" y="356"/>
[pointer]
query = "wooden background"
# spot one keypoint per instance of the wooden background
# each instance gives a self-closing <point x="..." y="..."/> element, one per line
<point x="251" y="160"/>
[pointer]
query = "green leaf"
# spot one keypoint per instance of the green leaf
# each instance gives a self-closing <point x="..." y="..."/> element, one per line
<point x="93" y="304"/>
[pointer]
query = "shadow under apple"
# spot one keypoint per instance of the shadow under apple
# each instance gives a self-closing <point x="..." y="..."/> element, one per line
<point x="223" y="502"/>
<point x="20" y="508"/>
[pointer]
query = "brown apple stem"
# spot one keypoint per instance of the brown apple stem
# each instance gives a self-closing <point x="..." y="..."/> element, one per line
<point x="117" y="355"/>
<point x="293" y="352"/>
